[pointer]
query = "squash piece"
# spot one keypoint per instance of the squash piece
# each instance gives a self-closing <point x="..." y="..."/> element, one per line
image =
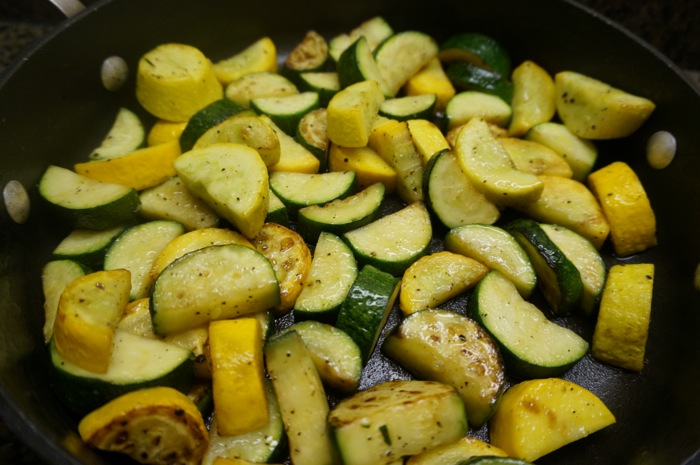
<point x="534" y="97"/>
<point x="88" y="311"/>
<point x="293" y="156"/>
<point x="259" y="56"/>
<point x="593" y="109"/>
<point x="462" y="449"/>
<point x="351" y="113"/>
<point x="431" y="79"/>
<point x="539" y="416"/>
<point x="427" y="138"/>
<point x="434" y="279"/>
<point x="369" y="166"/>
<point x="622" y="328"/>
<point x="626" y="207"/>
<point x="157" y="426"/>
<point x="535" y="158"/>
<point x="143" y="168"/>
<point x="290" y="258"/>
<point x="238" y="375"/>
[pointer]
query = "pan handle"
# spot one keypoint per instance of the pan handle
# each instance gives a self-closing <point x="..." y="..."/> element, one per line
<point x="68" y="7"/>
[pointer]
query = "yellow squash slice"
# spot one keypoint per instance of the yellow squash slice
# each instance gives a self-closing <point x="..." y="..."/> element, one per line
<point x="257" y="57"/>
<point x="88" y="311"/>
<point x="539" y="416"/>
<point x="622" y="328"/>
<point x="351" y="113"/>
<point x="463" y="449"/>
<point x="626" y="206"/>
<point x="238" y="375"/>
<point x="431" y="79"/>
<point x="369" y="166"/>
<point x="158" y="426"/>
<point x="534" y="97"/>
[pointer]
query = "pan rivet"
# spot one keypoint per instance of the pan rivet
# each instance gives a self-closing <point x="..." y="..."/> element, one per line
<point x="661" y="149"/>
<point x="16" y="201"/>
<point x="114" y="73"/>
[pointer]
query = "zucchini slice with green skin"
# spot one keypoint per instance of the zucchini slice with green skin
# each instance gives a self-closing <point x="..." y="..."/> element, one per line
<point x="409" y="107"/>
<point x="489" y="460"/>
<point x="357" y="64"/>
<point x="302" y="400"/>
<point x="557" y="276"/>
<point x="452" y="197"/>
<point x="396" y="419"/>
<point x="87" y="203"/>
<point x="206" y="118"/>
<point x="532" y="346"/>
<point x="267" y="444"/>
<point x="496" y="248"/>
<point x="442" y="345"/>
<point x="86" y="246"/>
<point x="579" y="153"/>
<point x="325" y="83"/>
<point x="310" y="54"/>
<point x="479" y="49"/>
<point x="336" y="356"/>
<point x="126" y="135"/>
<point x="467" y="76"/>
<point x="136" y="362"/>
<point x="393" y="242"/>
<point x="470" y="104"/>
<point x="367" y="306"/>
<point x="286" y="111"/>
<point x="217" y="282"/>
<point x="333" y="271"/>
<point x="276" y="211"/>
<point x="586" y="258"/>
<point x="172" y="201"/>
<point x="402" y="55"/>
<point x="375" y="30"/>
<point x="136" y="248"/>
<point x="298" y="190"/>
<point x="342" y="215"/>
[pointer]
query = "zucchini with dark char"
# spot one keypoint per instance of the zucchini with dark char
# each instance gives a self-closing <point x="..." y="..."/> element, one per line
<point x="532" y="346"/>
<point x="395" y="419"/>
<point x="442" y="345"/>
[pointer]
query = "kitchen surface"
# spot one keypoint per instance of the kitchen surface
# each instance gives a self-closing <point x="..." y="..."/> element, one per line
<point x="671" y="26"/>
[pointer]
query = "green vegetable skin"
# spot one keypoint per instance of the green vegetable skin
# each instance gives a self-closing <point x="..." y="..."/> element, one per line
<point x="369" y="302"/>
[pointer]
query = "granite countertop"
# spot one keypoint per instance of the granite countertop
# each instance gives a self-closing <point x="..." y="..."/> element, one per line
<point x="668" y="25"/>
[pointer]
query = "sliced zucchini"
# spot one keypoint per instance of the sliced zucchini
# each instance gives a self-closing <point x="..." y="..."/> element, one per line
<point x="136" y="249"/>
<point x="247" y="129"/>
<point x="375" y="30"/>
<point x="156" y="425"/>
<point x="367" y="306"/>
<point x="286" y="111"/>
<point x="55" y="276"/>
<point x="325" y="83"/>
<point x="396" y="419"/>
<point x="298" y="190"/>
<point x="342" y="215"/>
<point x="85" y="202"/>
<point x="436" y="278"/>
<point x="444" y="346"/>
<point x="266" y="444"/>
<point x="172" y="201"/>
<point x="456" y="452"/>
<point x="302" y="400"/>
<point x="393" y="142"/>
<point x="496" y="248"/>
<point x="468" y="76"/>
<point x="477" y="48"/>
<point x="259" y="84"/>
<point x="217" y="282"/>
<point x="137" y="362"/>
<point x="409" y="107"/>
<point x="470" y="104"/>
<point x="310" y="54"/>
<point x="393" y="242"/>
<point x="557" y="277"/>
<point x="357" y="64"/>
<point x="312" y="133"/>
<point x="451" y="196"/>
<point x="402" y="55"/>
<point x="207" y="117"/>
<point x="290" y="258"/>
<point x="532" y="346"/>
<point x="86" y="246"/>
<point x="486" y="460"/>
<point x="487" y="165"/>
<point x="586" y="258"/>
<point x="336" y="356"/>
<point x="232" y="179"/>
<point x="333" y="271"/>
<point x="125" y="136"/>
<point x="580" y="154"/>
<point x="277" y="211"/>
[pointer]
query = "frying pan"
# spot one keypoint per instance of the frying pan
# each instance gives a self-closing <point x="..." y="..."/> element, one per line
<point x="53" y="109"/>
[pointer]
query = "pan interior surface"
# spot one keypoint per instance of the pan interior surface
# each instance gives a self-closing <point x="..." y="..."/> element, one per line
<point x="53" y="109"/>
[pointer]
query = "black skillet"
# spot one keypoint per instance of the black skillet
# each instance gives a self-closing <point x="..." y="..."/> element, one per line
<point x="53" y="109"/>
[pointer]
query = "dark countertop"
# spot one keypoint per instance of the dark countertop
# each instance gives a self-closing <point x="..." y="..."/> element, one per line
<point x="671" y="26"/>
